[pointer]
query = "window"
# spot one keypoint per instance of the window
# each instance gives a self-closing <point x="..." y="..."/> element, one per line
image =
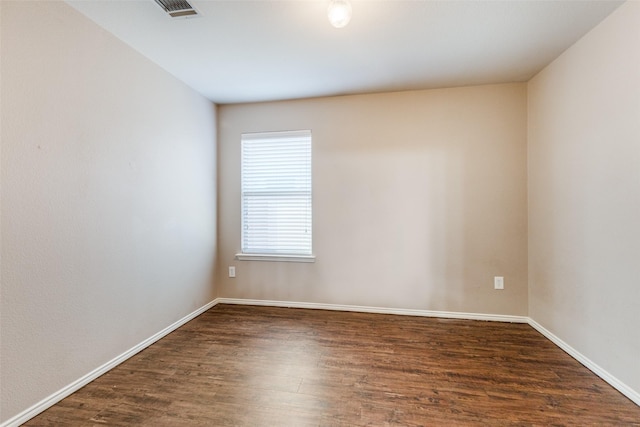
<point x="276" y="196"/>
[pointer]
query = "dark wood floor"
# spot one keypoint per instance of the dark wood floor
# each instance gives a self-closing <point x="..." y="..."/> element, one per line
<point x="261" y="366"/>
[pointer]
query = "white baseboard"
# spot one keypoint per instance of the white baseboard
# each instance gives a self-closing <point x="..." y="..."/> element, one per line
<point x="379" y="310"/>
<point x="633" y="395"/>
<point x="56" y="397"/>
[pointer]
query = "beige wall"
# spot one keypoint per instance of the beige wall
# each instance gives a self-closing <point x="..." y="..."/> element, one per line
<point x="419" y="200"/>
<point x="584" y="195"/>
<point x="108" y="200"/>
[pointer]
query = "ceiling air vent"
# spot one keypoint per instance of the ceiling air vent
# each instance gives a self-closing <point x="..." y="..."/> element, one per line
<point x="177" y="8"/>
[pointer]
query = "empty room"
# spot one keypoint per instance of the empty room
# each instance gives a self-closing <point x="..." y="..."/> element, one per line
<point x="319" y="212"/>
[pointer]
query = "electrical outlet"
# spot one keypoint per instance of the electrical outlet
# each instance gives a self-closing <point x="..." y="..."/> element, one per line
<point x="232" y="271"/>
<point x="498" y="282"/>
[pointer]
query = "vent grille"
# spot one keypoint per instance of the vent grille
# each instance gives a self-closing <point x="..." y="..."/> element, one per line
<point x="177" y="8"/>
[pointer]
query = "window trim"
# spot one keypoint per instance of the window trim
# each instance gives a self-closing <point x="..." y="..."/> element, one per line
<point x="275" y="257"/>
<point x="278" y="257"/>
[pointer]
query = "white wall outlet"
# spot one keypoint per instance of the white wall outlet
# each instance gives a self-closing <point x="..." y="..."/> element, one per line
<point x="232" y="271"/>
<point x="498" y="282"/>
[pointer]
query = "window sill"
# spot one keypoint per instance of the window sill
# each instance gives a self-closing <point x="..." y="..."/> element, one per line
<point x="274" y="257"/>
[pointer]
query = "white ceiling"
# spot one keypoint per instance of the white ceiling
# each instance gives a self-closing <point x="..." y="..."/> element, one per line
<point x="243" y="51"/>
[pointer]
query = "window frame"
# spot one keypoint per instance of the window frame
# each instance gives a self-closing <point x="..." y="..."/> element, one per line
<point x="274" y="256"/>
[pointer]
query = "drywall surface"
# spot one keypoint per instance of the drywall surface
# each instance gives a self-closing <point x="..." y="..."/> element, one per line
<point x="108" y="200"/>
<point x="419" y="200"/>
<point x="584" y="195"/>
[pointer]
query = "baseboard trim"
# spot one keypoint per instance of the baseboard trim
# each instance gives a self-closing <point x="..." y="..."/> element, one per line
<point x="378" y="310"/>
<point x="56" y="397"/>
<point x="633" y="395"/>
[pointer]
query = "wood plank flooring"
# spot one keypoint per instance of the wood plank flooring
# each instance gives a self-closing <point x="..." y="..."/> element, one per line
<point x="264" y="366"/>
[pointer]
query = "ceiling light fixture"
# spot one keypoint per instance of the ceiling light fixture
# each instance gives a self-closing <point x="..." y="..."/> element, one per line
<point x="339" y="13"/>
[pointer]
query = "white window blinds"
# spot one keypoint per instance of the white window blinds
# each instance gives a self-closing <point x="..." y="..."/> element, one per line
<point x="276" y="193"/>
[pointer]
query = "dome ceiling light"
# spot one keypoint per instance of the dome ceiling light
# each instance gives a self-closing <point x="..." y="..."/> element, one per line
<point x="339" y="13"/>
